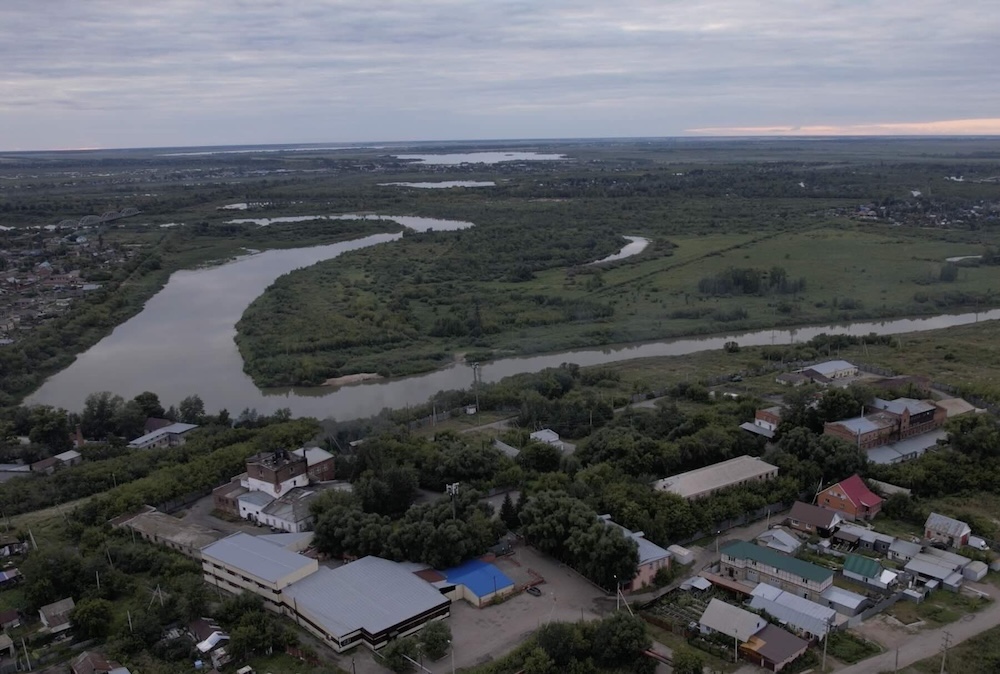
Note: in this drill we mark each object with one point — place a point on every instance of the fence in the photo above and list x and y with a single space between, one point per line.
874 610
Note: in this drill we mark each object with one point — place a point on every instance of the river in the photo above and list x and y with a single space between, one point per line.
181 343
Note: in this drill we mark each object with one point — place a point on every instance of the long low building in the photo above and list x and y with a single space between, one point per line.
370 601
706 481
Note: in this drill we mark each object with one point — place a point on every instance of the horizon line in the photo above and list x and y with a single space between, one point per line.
707 134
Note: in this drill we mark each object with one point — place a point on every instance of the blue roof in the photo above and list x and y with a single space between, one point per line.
480 577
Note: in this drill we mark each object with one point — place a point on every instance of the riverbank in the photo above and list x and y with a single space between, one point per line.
53 346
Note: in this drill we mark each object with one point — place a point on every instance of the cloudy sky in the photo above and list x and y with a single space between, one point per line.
113 73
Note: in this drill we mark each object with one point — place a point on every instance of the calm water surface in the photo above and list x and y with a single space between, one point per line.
182 343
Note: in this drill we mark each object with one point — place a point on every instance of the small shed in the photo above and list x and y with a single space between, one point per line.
975 571
681 555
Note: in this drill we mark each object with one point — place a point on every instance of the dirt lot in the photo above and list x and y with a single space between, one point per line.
484 634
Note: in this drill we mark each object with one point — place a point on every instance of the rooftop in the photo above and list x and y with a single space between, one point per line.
313 455
910 448
859 493
902 405
167 527
258 558
371 593
955 406
275 459
866 567
777 645
947 525
842 597
805 570
291 507
813 515
832 367
153 436
792 609
716 476
258 498
731 620
648 551
868 424
479 576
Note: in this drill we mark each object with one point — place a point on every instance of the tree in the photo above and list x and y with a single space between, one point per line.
687 661
49 427
434 639
99 413
508 513
620 639
130 420
540 456
91 618
397 652
192 409
150 404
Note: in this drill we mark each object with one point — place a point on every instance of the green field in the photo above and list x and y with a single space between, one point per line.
413 306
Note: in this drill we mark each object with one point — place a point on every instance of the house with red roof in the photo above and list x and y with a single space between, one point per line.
851 498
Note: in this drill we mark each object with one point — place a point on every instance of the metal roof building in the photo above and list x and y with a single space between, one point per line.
367 601
242 561
710 479
801 614
730 620
168 435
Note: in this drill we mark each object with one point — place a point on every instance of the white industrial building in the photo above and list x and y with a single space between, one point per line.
710 479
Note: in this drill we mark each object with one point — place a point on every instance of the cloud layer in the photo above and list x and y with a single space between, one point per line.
105 73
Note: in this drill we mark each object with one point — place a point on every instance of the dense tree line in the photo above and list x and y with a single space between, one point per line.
751 281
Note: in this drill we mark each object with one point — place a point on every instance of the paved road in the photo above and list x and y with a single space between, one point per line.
926 644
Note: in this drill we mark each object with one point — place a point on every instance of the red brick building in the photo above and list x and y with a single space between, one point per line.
852 498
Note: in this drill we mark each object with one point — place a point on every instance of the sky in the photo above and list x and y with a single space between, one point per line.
108 73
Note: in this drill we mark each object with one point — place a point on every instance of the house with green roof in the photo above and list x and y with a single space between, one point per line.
869 571
745 561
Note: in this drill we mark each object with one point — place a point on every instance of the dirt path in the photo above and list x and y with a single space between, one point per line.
926 644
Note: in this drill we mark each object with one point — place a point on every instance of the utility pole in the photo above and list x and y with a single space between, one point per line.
944 650
475 383
826 637
27 659
453 493
896 669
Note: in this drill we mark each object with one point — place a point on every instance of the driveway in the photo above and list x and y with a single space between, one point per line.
201 513
926 644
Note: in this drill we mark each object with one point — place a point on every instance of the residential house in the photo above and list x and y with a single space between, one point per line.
804 617
10 619
9 577
734 622
706 481
869 572
168 436
652 557
210 640
780 540
935 571
55 616
745 561
812 519
92 662
851 498
942 529
320 464
773 648
765 422
854 537
8 655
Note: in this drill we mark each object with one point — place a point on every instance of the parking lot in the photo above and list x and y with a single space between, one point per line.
485 634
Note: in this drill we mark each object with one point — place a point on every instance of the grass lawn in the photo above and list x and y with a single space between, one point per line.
850 648
280 663
675 641
940 608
